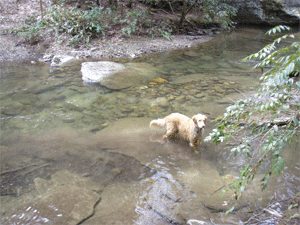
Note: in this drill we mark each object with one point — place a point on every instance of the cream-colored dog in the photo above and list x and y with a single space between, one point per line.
190 129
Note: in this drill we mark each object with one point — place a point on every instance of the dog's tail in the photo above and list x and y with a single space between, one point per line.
158 123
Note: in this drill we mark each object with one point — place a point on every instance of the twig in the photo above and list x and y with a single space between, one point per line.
258 147
240 92
232 100
24 167
155 10
273 212
171 6
17 169
167 219
36 168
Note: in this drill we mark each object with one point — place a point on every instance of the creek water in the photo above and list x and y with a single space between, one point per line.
83 153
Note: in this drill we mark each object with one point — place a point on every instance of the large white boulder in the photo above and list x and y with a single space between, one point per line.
117 76
97 71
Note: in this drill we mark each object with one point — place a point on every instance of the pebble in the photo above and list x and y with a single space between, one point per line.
207 58
160 80
200 95
191 54
161 102
219 89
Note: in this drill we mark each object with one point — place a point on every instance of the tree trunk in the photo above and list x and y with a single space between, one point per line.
41 6
183 13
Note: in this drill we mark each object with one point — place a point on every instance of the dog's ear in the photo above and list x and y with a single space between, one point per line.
205 119
194 118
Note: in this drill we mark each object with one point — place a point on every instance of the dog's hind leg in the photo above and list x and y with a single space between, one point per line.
170 131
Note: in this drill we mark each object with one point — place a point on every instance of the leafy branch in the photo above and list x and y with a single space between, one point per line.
262 125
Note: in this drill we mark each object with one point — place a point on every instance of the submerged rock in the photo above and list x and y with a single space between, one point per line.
65 199
160 102
68 204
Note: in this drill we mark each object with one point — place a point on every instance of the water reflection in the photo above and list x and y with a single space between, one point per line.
61 137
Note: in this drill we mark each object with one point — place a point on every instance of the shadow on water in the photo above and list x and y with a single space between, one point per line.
73 153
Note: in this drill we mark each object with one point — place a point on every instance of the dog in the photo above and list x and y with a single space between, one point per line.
190 129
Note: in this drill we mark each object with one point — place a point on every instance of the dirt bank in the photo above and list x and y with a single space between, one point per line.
12 47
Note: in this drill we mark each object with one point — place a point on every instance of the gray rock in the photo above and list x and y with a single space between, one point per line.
46 58
271 12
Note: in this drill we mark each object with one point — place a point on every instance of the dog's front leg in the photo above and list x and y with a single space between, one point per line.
192 145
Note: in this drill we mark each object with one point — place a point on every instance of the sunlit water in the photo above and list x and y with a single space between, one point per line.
82 153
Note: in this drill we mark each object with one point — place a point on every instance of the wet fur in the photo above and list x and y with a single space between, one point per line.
190 129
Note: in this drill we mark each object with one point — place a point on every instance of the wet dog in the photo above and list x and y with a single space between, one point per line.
190 129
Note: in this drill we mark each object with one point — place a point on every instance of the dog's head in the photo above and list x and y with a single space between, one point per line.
199 120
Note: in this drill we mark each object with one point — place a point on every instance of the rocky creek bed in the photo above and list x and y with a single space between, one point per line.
103 155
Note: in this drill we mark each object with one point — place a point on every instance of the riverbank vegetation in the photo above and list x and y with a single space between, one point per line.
77 22
262 125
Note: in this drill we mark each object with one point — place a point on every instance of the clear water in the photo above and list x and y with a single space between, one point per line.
82 153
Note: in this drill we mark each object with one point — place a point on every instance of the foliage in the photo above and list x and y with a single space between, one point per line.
218 12
80 22
82 25
264 124
138 21
134 22
31 33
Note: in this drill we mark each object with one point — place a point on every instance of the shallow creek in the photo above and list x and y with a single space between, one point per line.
76 153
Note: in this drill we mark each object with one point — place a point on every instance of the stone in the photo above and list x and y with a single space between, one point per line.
207 58
46 58
161 102
268 12
224 65
82 100
14 109
191 54
160 80
200 95
97 71
188 78
181 99
219 89
59 60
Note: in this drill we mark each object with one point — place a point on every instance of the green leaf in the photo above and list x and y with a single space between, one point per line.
285 107
275 127
296 121
230 210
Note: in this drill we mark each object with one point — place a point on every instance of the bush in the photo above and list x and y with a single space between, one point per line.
83 25
217 12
